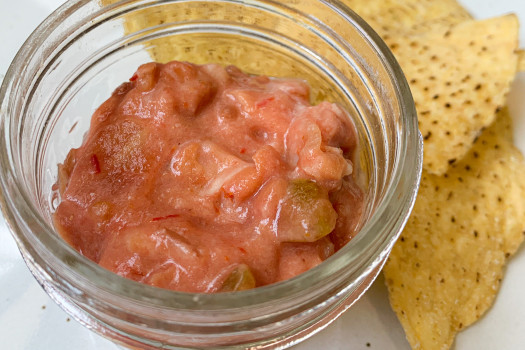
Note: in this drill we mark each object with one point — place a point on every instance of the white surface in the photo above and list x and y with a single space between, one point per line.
29 320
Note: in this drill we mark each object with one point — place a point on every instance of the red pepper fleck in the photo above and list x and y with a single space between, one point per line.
243 150
242 250
264 102
165 217
134 77
95 164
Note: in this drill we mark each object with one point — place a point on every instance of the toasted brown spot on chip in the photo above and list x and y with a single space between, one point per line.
521 62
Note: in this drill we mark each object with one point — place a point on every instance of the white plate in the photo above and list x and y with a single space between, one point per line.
29 320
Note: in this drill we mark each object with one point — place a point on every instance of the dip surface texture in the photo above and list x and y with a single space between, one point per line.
206 179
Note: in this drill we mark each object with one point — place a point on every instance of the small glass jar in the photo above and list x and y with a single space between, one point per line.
84 50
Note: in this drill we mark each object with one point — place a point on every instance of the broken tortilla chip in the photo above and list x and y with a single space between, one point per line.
459 78
446 268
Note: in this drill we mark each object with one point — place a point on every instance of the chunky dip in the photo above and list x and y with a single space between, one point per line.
206 179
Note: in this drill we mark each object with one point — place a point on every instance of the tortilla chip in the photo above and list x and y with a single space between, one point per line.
395 17
446 268
459 77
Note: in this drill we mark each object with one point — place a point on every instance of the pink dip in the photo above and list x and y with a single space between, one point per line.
206 179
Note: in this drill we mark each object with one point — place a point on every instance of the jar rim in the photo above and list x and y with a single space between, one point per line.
390 215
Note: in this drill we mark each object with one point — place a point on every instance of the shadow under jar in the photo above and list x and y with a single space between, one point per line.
72 63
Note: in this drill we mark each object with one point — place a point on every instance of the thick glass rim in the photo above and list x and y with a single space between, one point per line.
390 215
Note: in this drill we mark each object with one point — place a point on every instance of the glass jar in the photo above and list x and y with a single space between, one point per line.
77 56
